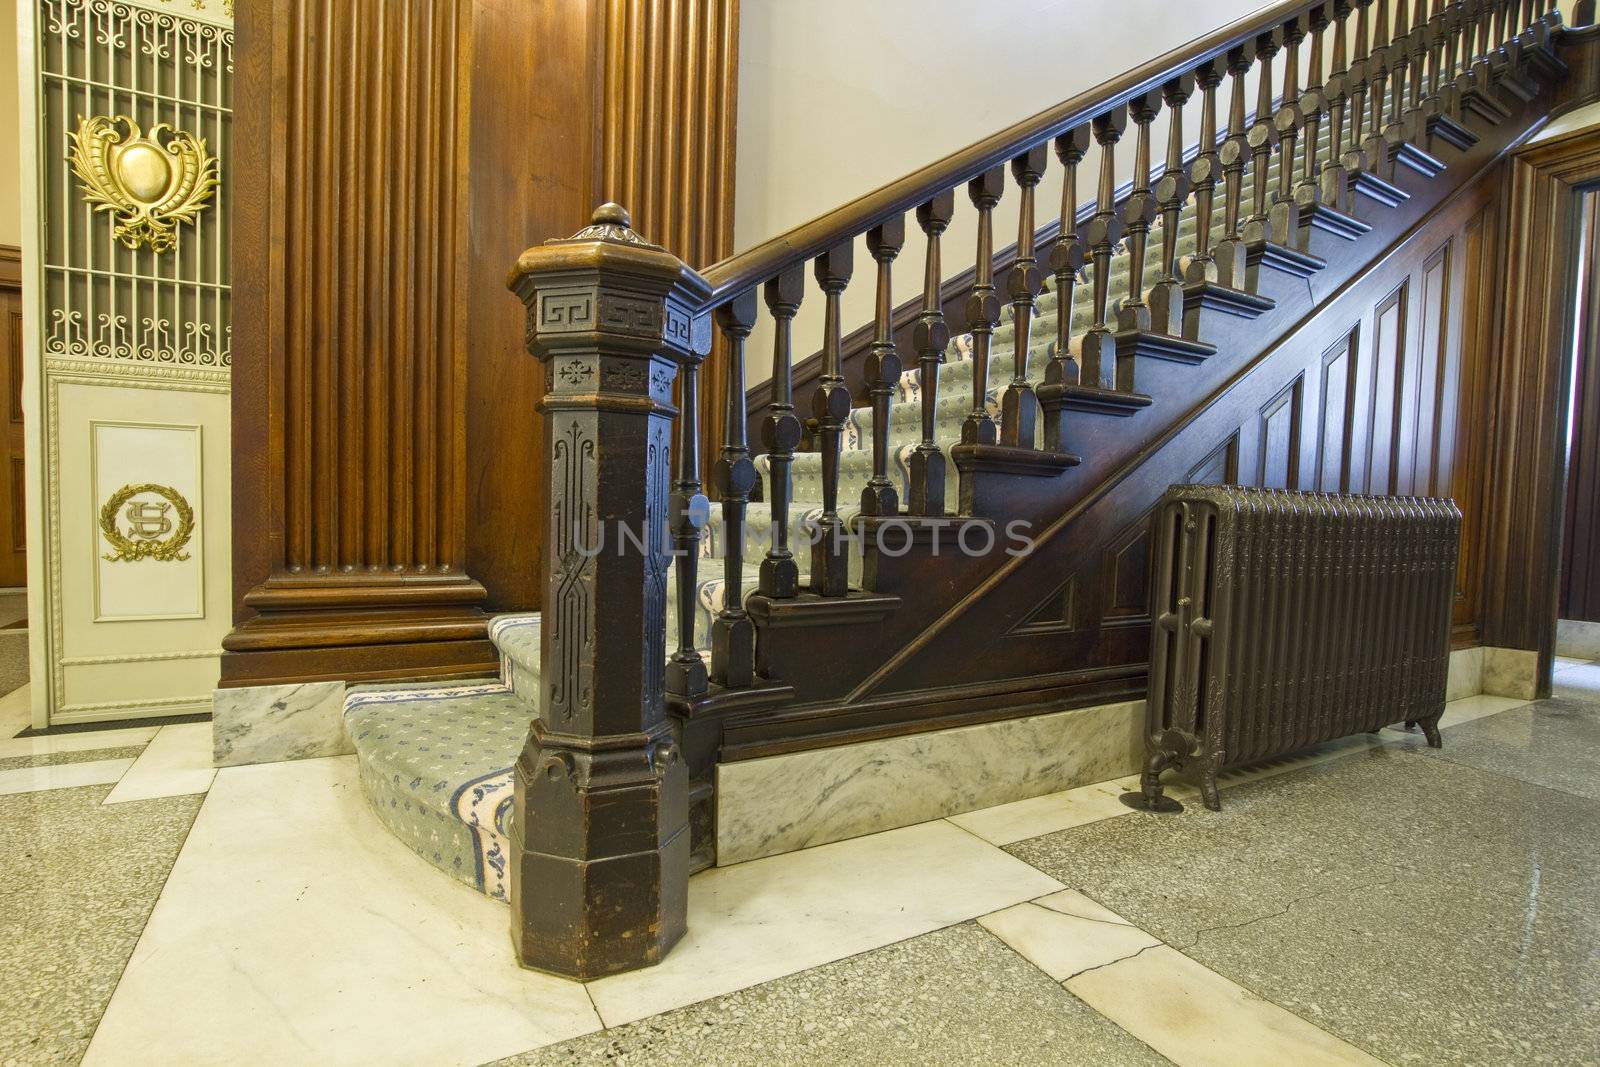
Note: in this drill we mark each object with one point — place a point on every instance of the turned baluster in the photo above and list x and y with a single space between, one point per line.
1402 76
1287 124
688 513
879 496
930 337
1019 409
830 406
983 306
1449 91
1262 138
780 433
1097 348
1204 173
1376 147
1421 51
1231 254
1335 178
1067 258
1434 32
1308 191
1166 298
1138 213
733 635
1355 158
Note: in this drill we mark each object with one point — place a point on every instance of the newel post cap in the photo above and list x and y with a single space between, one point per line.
608 283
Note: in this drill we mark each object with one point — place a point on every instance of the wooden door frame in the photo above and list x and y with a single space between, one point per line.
1583 475
1529 392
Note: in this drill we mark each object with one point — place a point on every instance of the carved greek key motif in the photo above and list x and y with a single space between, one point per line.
565 311
623 314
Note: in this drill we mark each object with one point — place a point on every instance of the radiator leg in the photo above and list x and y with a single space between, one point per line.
1430 730
1150 797
1208 790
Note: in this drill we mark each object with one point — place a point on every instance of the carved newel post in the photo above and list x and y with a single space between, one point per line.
600 844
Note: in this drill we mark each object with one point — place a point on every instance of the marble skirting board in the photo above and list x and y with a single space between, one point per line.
782 803
1578 639
272 723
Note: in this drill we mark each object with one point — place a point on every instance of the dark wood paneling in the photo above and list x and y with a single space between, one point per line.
1532 330
13 483
1333 437
1580 556
671 83
533 166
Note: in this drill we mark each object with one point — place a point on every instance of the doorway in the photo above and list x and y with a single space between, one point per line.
1580 551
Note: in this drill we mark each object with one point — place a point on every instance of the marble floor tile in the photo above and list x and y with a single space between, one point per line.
1459 711
956 997
62 775
85 741
1198 1018
295 929
1553 743
55 759
175 763
1341 891
1067 933
1563 662
16 712
1021 819
760 920
77 883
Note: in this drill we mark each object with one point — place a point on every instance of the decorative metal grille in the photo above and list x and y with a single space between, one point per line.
103 301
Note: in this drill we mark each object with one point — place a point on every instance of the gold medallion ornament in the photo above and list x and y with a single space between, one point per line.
148 182
147 521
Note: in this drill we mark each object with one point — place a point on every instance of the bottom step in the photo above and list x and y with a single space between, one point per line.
436 765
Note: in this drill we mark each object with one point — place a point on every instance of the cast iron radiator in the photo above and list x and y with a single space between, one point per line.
1282 620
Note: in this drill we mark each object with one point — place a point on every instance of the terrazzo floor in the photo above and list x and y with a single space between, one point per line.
1369 902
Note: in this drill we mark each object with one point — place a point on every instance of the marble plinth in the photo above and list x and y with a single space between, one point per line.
782 803
1511 672
1466 674
1577 639
272 723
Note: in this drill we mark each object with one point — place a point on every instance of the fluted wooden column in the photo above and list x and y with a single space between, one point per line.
400 153
351 519
671 85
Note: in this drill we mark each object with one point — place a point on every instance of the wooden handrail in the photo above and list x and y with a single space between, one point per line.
744 270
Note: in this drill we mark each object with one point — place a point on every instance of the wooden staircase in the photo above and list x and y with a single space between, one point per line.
852 579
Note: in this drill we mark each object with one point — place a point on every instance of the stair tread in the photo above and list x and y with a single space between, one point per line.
443 789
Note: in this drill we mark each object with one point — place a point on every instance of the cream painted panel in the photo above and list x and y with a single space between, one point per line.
137 638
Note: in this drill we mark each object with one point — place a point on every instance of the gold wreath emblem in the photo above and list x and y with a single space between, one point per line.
149 182
152 532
